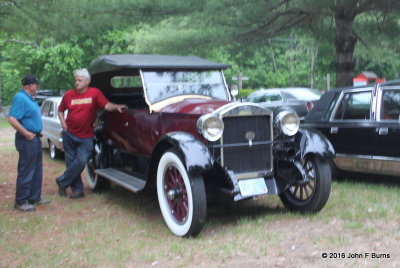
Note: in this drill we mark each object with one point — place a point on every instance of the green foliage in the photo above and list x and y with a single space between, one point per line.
269 42
52 62
244 93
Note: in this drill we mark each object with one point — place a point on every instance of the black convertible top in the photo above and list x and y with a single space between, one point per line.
119 61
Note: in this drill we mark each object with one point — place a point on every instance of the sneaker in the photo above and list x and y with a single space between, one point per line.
76 195
41 201
61 191
26 207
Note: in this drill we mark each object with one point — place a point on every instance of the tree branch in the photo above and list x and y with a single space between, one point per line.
30 43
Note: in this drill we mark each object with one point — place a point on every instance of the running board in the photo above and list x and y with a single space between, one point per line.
123 179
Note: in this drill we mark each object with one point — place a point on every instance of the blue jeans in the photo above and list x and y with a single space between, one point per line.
30 169
76 152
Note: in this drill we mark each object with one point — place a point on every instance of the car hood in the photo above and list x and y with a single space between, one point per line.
194 106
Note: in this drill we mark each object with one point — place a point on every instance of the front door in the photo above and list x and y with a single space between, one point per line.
352 130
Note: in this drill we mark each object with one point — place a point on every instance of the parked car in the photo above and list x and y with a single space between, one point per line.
52 129
363 125
185 137
302 100
42 94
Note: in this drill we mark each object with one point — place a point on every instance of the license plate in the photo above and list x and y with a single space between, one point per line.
252 187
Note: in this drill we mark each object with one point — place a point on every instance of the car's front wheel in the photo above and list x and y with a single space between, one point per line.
53 151
312 192
182 197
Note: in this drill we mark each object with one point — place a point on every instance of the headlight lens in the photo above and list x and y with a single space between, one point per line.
210 126
288 122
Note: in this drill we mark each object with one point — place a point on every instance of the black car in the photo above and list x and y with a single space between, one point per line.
300 99
185 137
363 126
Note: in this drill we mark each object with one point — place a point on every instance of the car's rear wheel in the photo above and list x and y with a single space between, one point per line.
97 160
53 151
182 197
312 192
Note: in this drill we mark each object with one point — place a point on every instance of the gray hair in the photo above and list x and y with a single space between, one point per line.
82 72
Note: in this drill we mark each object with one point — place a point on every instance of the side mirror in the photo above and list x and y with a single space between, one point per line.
234 89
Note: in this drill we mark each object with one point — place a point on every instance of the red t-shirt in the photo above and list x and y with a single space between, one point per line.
82 110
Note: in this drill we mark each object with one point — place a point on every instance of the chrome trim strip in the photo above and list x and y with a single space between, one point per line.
372 164
233 105
145 91
226 85
377 157
354 156
241 144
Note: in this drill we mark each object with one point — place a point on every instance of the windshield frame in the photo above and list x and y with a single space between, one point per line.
152 101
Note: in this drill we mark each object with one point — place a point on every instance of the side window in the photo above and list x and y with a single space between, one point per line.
356 105
390 105
257 98
51 110
46 108
274 97
328 113
126 82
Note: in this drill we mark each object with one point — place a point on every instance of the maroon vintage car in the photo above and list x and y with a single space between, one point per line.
185 136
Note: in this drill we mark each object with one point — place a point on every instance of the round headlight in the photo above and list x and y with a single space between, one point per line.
288 122
210 126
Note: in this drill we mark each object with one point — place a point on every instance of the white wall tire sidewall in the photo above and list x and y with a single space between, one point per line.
91 179
166 160
52 149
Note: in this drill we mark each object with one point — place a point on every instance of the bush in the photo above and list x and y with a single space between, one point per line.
244 93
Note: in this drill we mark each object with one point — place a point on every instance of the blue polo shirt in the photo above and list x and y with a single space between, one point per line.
26 110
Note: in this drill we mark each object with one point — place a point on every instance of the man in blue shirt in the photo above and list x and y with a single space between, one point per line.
25 117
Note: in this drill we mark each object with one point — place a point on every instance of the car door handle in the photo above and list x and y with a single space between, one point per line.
334 130
383 131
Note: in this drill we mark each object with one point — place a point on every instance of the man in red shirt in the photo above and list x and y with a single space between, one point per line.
82 103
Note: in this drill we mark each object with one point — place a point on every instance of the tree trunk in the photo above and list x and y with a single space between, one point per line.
273 55
345 42
314 55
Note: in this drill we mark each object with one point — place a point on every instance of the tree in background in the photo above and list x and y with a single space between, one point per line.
274 42
230 21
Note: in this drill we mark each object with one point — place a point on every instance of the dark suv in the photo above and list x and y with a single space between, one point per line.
185 136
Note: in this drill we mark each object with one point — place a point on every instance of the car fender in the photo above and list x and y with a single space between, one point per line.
308 141
288 160
196 156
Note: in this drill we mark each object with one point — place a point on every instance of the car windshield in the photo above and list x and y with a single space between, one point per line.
164 85
305 94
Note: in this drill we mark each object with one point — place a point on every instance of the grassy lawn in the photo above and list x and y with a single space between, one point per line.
117 228
4 123
121 229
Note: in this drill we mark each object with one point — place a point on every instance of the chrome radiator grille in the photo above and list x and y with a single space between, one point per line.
246 159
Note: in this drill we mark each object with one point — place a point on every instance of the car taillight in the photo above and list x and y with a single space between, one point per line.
310 105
